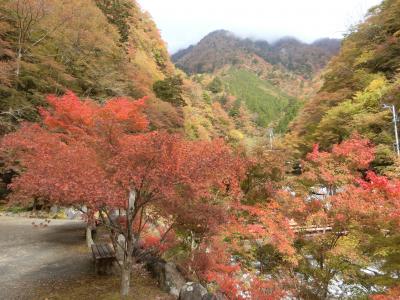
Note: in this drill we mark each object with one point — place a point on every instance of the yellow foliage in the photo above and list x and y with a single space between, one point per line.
364 57
236 135
145 63
348 246
377 84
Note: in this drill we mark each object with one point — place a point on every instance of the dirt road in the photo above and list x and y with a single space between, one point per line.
31 256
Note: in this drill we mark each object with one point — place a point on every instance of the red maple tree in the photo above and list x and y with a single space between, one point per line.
338 167
103 157
360 206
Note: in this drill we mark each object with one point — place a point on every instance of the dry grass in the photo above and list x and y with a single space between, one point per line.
143 287
103 288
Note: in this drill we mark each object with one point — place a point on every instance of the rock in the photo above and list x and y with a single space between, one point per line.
174 280
54 209
217 296
167 275
256 264
73 214
192 291
261 242
156 267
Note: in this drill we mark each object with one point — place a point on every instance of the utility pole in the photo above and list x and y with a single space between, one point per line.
271 136
395 120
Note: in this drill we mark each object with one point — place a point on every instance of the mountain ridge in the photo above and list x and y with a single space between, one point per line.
272 79
257 39
312 57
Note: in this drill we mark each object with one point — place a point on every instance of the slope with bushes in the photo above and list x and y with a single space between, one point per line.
260 96
98 49
231 217
363 77
222 47
268 78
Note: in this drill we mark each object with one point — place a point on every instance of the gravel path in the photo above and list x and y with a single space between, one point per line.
31 256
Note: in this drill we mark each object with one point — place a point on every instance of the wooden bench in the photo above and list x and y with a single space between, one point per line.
104 256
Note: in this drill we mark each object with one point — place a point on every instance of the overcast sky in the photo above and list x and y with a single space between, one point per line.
185 22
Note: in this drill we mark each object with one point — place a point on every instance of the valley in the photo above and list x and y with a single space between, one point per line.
250 166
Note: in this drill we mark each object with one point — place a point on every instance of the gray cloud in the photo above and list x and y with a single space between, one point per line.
184 22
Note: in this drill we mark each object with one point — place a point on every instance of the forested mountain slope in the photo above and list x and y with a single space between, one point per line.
269 79
98 49
358 81
222 47
200 185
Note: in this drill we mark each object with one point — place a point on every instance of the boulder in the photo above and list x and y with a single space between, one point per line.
54 209
167 275
192 291
73 214
155 266
217 296
174 280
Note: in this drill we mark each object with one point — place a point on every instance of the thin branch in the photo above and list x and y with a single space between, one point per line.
166 232
144 224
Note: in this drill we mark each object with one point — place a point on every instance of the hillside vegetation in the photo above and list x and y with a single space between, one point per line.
358 81
222 47
261 97
272 80
101 50
181 170
97 49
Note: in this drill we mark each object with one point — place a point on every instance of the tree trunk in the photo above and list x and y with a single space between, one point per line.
34 206
120 249
128 259
127 266
89 238
126 276
18 62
